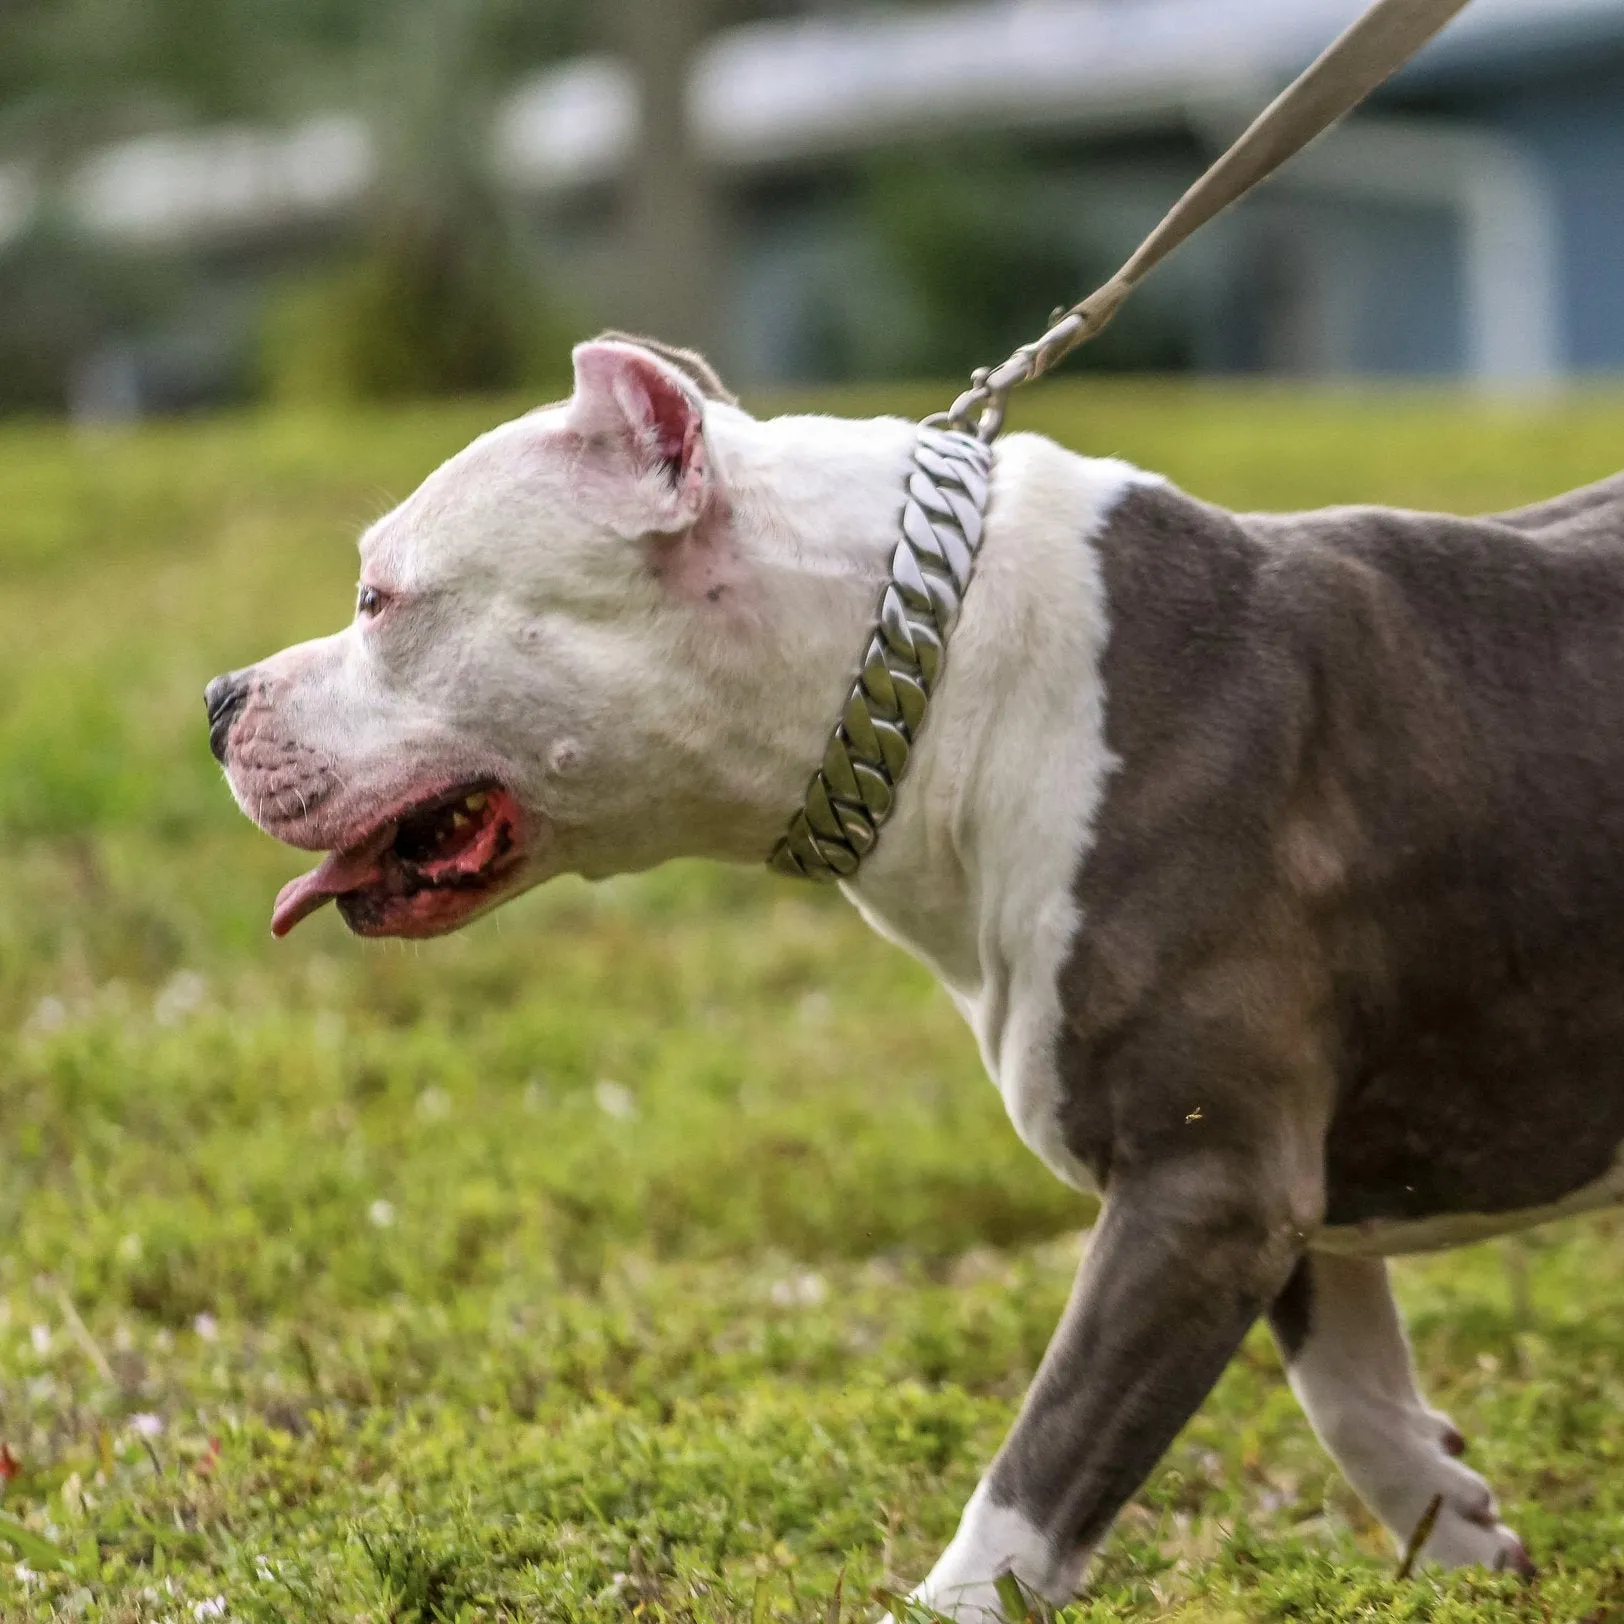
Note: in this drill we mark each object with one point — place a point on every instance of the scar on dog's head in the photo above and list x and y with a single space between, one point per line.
688 362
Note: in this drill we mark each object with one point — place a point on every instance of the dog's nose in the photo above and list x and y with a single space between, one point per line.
224 697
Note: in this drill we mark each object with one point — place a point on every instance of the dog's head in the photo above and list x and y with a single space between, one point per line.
547 636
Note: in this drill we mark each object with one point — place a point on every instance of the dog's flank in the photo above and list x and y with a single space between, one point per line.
1276 861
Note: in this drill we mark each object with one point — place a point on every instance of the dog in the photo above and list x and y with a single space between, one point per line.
1276 861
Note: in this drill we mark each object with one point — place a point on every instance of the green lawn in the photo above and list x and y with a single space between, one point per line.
653 1246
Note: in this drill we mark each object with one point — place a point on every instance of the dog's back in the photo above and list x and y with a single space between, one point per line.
1598 507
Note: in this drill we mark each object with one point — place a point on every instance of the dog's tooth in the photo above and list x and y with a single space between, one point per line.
476 802
458 821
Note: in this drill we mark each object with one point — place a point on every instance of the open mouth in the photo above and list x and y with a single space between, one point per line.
422 872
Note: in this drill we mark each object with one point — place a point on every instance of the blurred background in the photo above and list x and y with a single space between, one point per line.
217 201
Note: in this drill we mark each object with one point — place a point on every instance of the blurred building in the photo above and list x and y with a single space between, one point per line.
1468 223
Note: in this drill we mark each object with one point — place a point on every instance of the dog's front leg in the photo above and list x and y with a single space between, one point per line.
1182 1261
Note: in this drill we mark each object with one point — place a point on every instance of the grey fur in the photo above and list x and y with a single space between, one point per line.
1352 944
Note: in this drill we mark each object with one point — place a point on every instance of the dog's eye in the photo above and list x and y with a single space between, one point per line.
369 602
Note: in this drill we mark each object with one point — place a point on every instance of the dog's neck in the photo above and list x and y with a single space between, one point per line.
1000 792
980 858
812 507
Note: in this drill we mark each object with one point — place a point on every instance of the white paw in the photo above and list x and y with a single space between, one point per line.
1476 1538
1468 1532
964 1604
993 1541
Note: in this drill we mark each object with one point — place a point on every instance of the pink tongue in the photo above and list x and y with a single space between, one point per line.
340 872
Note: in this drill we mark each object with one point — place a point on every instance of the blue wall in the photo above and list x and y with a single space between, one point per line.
1575 126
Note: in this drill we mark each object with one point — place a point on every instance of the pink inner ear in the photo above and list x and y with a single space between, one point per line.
627 394
618 386
671 415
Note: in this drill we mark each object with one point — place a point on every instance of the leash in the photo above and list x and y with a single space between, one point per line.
1375 47
853 792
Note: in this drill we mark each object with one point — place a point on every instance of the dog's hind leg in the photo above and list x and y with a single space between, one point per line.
1349 1364
1183 1260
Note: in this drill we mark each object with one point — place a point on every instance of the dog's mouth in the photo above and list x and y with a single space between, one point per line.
422 872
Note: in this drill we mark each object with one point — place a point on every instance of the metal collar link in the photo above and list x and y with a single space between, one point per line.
852 793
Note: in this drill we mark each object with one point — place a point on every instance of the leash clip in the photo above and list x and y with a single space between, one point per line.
980 410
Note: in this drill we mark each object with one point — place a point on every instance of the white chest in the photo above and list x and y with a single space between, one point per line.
976 872
1016 1017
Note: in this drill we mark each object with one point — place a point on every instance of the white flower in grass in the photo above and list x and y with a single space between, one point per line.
381 1214
40 1336
214 1607
180 996
48 1015
433 1104
147 1425
615 1099
799 1291
813 1009
207 1327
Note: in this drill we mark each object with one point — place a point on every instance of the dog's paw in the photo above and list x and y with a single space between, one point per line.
1469 1533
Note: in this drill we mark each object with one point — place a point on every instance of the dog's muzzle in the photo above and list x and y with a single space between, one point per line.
224 697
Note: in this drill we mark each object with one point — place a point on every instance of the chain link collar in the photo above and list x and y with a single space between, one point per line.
852 793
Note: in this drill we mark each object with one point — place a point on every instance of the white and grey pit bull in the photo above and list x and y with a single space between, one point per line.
1277 862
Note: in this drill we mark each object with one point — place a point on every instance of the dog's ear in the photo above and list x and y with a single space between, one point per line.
690 362
652 418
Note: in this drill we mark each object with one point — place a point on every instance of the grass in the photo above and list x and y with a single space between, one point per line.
654 1249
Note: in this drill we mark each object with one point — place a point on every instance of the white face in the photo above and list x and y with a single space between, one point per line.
541 632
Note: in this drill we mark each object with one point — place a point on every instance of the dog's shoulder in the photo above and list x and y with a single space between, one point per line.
1243 582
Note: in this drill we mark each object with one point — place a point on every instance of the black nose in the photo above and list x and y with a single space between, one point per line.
224 697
